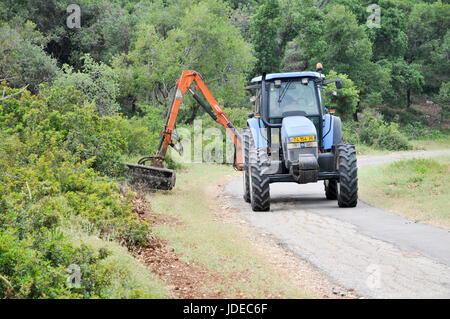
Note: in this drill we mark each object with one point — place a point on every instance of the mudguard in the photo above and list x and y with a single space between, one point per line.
259 132
332 131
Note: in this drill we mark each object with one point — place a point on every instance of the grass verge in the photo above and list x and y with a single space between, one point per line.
123 277
219 247
431 145
417 145
415 188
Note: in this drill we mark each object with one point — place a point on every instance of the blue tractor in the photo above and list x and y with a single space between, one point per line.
292 136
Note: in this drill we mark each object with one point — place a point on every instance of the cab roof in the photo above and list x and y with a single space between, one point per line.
272 76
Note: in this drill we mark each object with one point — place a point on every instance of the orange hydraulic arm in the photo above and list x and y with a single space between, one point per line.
183 85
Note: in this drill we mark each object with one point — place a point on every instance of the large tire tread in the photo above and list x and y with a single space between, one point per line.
260 182
331 189
348 181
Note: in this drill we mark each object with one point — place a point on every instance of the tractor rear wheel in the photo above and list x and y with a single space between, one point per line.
259 180
247 139
347 187
330 189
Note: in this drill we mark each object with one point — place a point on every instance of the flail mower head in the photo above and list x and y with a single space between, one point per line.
152 177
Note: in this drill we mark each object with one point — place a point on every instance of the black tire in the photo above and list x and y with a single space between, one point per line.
259 181
330 189
347 187
247 142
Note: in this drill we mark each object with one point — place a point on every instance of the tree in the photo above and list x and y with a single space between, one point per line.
105 30
443 99
347 98
348 50
294 58
427 28
264 37
22 59
307 26
164 15
405 79
205 41
96 80
390 40
241 18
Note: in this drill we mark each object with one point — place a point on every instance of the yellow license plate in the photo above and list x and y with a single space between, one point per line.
303 139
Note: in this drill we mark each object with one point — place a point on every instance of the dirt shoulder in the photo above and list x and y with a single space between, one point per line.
182 279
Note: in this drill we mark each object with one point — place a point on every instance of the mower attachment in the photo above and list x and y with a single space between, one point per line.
152 177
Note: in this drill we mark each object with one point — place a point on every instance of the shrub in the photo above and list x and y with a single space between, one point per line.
443 98
375 132
417 130
22 58
350 133
98 82
61 113
53 148
37 193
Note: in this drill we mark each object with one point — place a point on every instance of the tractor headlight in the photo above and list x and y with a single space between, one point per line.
301 145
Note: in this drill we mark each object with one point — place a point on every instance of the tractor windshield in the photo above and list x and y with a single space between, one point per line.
292 95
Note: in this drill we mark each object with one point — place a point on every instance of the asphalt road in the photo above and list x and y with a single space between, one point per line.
377 253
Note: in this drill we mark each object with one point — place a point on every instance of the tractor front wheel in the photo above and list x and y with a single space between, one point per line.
347 187
330 189
259 181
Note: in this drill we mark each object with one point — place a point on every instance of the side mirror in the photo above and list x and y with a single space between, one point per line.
337 81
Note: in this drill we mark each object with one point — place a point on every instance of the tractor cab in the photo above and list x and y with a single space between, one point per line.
295 94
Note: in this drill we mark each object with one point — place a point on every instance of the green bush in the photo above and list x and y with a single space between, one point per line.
417 130
350 133
375 132
402 116
53 148
37 194
443 99
61 113
98 82
23 60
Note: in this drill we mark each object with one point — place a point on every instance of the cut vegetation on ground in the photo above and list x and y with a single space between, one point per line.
415 188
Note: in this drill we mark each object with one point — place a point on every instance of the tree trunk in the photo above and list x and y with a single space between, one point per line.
355 114
408 98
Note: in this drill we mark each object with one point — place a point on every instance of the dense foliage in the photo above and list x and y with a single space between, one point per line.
51 149
142 45
75 103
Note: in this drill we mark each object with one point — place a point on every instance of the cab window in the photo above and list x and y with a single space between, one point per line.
292 95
